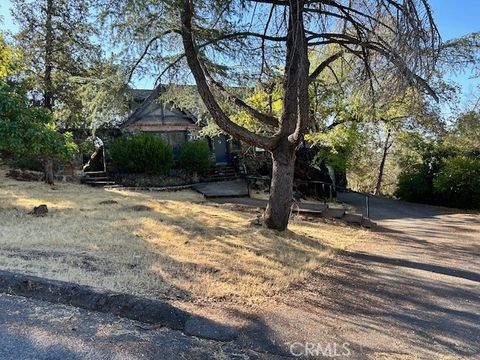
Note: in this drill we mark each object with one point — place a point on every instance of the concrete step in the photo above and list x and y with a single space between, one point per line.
100 183
97 178
221 179
353 219
116 186
316 210
218 189
334 213
222 175
95 173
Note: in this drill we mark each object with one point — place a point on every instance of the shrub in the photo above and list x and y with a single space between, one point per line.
458 182
416 185
29 163
195 156
142 153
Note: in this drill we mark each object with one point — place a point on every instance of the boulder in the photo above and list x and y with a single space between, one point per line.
40 210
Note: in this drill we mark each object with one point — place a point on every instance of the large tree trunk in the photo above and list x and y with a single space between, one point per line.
293 122
386 147
48 171
281 189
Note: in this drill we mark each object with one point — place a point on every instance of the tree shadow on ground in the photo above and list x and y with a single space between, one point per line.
401 302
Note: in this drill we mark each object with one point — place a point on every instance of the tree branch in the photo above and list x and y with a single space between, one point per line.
324 64
145 51
264 118
218 115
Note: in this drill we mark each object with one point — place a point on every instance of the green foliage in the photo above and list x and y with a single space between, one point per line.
29 163
86 147
416 185
29 131
458 182
195 156
142 153
267 101
59 42
465 135
101 94
10 59
447 174
337 145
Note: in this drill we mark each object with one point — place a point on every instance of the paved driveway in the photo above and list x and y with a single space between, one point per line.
413 291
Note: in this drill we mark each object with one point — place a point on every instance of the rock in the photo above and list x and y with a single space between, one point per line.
332 213
353 219
257 222
40 210
108 202
139 208
368 224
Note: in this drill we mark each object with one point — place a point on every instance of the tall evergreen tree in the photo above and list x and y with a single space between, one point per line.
58 40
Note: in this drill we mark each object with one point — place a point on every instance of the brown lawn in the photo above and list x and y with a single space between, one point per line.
171 245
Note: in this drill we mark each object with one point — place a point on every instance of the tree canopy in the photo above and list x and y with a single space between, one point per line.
229 44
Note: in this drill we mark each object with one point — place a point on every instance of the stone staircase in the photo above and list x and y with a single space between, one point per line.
98 179
222 173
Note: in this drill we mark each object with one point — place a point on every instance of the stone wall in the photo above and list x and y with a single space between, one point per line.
174 178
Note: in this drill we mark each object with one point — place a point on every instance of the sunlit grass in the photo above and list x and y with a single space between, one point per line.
178 247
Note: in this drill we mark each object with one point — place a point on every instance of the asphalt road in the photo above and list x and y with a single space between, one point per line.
36 330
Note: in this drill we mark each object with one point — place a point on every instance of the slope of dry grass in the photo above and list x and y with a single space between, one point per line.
162 245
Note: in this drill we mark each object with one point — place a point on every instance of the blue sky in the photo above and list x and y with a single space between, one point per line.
454 18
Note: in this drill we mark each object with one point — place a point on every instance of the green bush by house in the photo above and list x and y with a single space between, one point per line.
195 156
142 153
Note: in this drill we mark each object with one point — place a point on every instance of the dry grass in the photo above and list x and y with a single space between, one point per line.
169 245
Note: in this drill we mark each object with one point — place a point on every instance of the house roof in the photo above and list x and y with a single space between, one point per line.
147 97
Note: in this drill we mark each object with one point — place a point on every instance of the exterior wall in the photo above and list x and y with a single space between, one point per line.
176 127
173 125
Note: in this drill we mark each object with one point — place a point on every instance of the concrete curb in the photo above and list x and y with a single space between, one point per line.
149 311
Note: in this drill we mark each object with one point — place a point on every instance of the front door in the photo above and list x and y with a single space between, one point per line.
220 148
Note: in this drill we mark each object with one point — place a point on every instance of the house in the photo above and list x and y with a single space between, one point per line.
173 125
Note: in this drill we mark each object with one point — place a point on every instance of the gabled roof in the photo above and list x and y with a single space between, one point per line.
147 97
